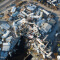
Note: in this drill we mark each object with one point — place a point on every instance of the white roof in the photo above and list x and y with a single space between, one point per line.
31 7
22 21
6 34
41 14
6 47
46 27
35 29
58 57
54 1
21 14
40 22
30 36
36 16
9 38
39 41
24 13
33 16
43 54
6 44
13 9
4 26
14 23
46 12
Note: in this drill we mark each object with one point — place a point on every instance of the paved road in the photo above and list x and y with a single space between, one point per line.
2 3
5 4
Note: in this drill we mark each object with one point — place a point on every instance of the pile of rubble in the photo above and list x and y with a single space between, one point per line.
30 21
35 25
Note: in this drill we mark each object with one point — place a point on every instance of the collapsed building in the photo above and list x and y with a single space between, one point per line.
31 23
33 27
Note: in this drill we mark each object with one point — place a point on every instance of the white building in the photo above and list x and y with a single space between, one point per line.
19 22
31 7
46 27
9 39
30 36
46 12
40 22
6 34
24 13
6 47
4 26
22 21
13 9
21 14
52 2
58 57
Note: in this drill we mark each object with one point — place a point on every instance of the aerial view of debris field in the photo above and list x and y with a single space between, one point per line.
30 30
